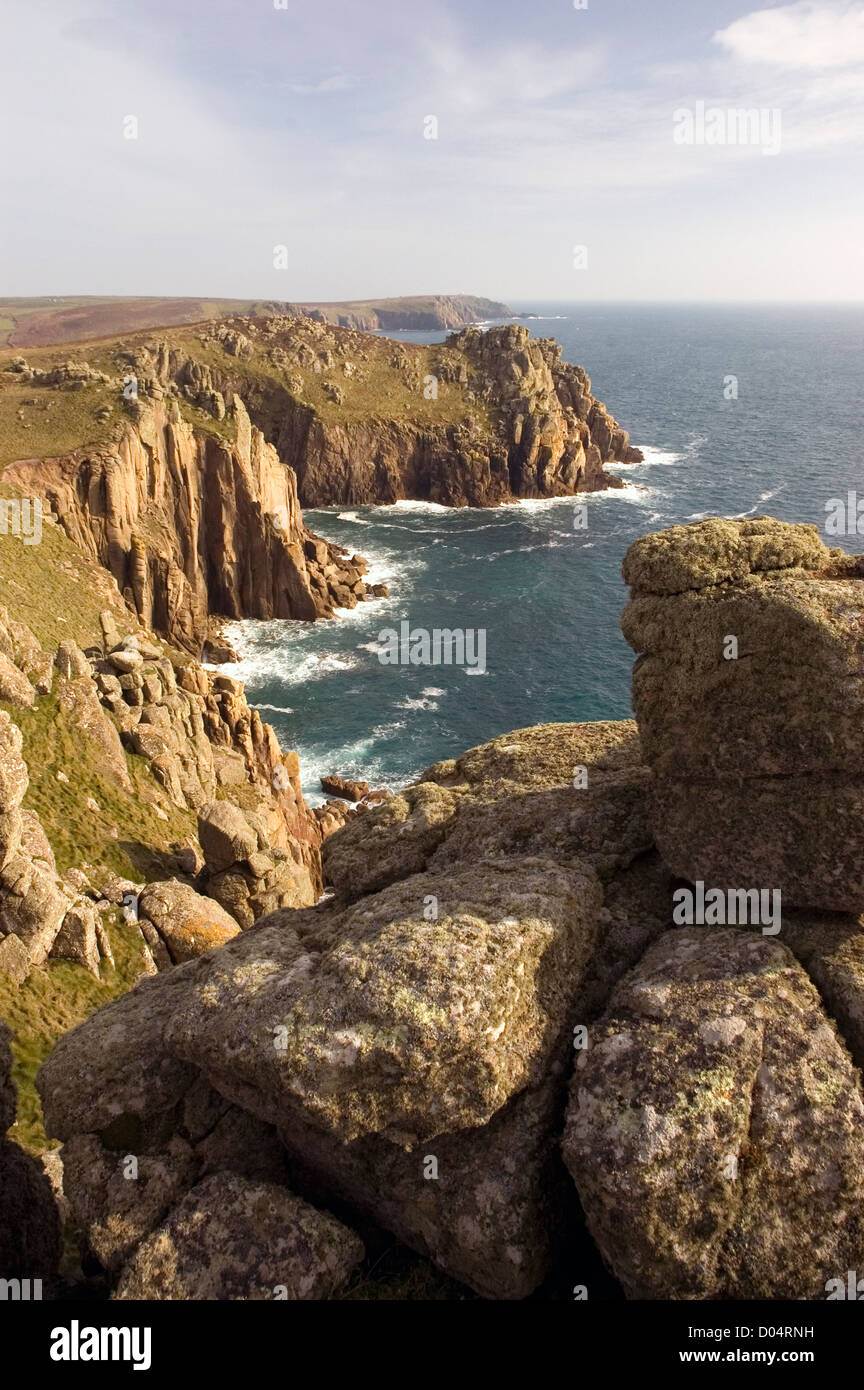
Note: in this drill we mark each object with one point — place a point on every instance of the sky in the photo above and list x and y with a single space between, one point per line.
520 149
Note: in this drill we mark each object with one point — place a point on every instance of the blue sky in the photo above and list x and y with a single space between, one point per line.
303 126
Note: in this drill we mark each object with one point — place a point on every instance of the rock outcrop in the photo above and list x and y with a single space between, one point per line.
205 749
403 1051
530 428
408 1040
230 1238
749 692
714 1099
192 524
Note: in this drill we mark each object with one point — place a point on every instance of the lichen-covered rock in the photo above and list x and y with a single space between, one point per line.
706 553
114 1067
225 834
32 905
234 1239
749 694
831 949
118 1198
15 688
188 923
76 939
15 962
716 1126
487 1205
419 1011
559 790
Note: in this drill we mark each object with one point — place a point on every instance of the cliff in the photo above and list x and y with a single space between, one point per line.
478 420
423 312
693 1084
190 524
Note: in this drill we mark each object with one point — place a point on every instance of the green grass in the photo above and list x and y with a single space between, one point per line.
392 386
55 588
51 1002
77 833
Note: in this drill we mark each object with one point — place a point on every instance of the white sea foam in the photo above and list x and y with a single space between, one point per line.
276 709
284 664
653 457
757 507
408 504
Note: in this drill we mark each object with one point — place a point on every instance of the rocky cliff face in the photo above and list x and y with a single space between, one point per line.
190 524
531 428
484 418
191 495
206 751
435 311
495 1009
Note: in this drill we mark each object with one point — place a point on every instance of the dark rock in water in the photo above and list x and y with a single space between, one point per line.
344 787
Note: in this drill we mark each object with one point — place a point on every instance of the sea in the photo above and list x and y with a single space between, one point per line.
741 411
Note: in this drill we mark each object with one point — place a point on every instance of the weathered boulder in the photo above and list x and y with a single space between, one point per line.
76 939
749 694
79 703
831 949
32 905
114 1069
558 790
117 1198
15 688
15 962
234 1239
13 787
188 923
487 1205
226 836
419 1011
716 1126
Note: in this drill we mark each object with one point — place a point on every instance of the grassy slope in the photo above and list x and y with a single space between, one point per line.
59 593
39 421
51 1002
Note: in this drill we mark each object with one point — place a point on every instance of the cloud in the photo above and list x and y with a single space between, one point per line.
805 35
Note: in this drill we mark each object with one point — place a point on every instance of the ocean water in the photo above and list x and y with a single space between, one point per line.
549 596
